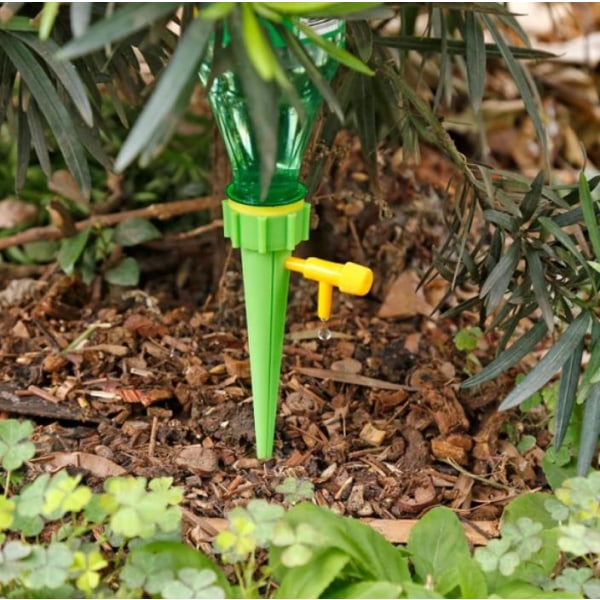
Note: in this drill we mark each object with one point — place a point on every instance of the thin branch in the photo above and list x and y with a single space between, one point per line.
162 211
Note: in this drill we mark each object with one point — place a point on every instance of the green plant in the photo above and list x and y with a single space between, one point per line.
466 340
125 541
544 244
134 517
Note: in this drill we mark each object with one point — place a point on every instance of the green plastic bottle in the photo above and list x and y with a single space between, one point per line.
230 109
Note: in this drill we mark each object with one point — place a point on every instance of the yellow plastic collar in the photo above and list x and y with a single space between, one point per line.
265 211
350 278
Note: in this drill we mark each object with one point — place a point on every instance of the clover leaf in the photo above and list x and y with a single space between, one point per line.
12 562
147 570
192 583
87 567
138 512
64 494
15 447
237 541
48 567
295 490
7 509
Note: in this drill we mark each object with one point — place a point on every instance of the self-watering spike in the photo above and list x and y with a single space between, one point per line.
268 230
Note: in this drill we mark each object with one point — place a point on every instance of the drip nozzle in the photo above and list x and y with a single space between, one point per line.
350 278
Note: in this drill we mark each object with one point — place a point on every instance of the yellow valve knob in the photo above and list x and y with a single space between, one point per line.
350 278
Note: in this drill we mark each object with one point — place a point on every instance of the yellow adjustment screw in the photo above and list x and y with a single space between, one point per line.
349 278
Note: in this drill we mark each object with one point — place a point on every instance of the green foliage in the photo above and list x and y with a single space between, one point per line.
107 546
545 268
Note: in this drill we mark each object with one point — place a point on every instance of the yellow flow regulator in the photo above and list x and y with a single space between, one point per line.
350 278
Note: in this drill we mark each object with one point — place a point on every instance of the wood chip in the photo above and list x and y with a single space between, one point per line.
199 460
371 435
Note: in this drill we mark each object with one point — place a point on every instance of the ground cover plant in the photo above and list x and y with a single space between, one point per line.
134 362
125 541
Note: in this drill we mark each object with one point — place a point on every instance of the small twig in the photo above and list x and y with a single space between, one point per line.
152 443
160 211
494 484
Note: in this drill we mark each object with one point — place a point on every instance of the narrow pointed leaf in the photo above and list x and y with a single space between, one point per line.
174 83
540 289
65 72
49 14
52 108
509 358
262 98
518 74
434 44
71 249
496 285
589 214
38 138
313 72
362 34
567 393
258 47
122 23
342 56
552 361
80 15
550 226
23 147
475 54
589 431
533 196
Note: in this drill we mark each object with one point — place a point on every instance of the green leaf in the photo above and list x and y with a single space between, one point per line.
174 84
49 14
51 107
476 59
589 214
436 542
122 23
135 231
38 137
532 198
313 72
589 431
552 361
467 338
15 447
550 226
367 589
181 556
127 272
312 579
509 358
529 505
192 583
71 249
80 16
49 567
339 54
12 562
263 100
538 282
496 284
319 9
567 393
372 555
65 72
518 74
65 495
258 47
7 512
31 499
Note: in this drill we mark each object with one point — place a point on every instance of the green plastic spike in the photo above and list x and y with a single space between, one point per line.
266 237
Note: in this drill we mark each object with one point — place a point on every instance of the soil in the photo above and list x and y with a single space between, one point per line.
155 381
